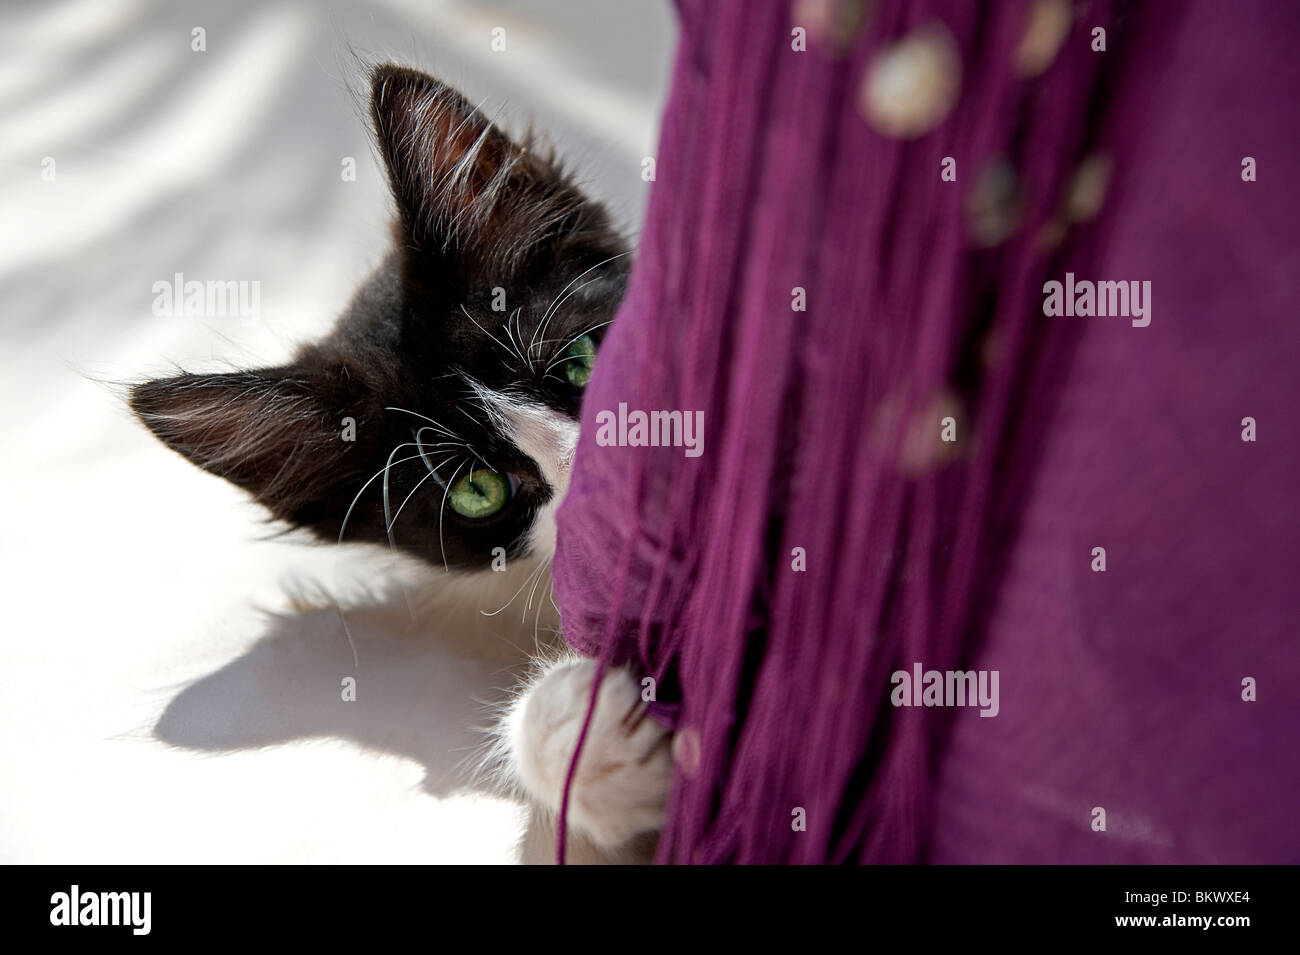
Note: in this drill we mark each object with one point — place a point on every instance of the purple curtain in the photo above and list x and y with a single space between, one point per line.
842 268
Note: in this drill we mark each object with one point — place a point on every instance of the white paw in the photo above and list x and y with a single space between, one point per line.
623 775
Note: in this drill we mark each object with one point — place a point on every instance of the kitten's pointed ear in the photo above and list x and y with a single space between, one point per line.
463 187
277 433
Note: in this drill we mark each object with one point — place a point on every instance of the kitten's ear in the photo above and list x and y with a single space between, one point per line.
278 433
463 188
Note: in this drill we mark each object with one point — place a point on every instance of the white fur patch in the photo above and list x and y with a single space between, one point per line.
622 778
621 784
550 439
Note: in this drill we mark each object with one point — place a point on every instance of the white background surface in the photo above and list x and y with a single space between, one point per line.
161 700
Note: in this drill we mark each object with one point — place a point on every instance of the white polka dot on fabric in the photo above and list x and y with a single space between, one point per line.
815 16
1045 31
835 21
919 441
1088 188
913 84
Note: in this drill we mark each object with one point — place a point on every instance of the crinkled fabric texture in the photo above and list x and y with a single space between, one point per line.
826 537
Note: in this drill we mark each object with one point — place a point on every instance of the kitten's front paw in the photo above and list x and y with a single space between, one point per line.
622 779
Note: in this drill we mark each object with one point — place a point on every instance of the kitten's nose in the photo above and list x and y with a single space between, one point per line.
566 463
566 449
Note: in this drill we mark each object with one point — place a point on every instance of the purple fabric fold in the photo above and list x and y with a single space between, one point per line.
1120 690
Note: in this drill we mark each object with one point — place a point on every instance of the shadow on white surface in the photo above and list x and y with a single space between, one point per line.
413 698
151 713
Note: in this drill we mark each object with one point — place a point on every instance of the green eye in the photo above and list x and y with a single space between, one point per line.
578 360
481 493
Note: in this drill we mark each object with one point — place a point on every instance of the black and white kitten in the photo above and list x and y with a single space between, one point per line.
462 361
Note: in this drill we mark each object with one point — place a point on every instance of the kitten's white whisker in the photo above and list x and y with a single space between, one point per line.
493 613
546 316
510 333
560 351
431 474
436 424
537 616
524 615
344 526
437 433
347 631
561 302
535 577
487 333
528 356
389 522
428 458
442 510
433 467
551 595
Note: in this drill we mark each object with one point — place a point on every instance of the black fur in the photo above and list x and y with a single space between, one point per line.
476 211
